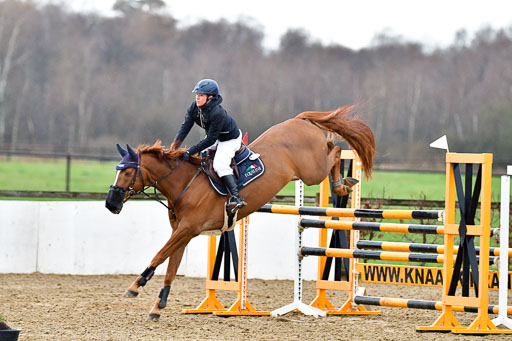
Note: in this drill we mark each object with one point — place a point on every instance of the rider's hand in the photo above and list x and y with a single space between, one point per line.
176 144
185 156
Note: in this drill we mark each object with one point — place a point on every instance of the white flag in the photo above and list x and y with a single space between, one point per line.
441 143
509 170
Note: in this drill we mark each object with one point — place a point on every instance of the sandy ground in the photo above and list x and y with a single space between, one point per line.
64 307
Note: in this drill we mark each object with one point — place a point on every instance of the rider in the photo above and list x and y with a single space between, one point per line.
221 130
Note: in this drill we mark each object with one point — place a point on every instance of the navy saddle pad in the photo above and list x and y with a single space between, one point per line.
250 167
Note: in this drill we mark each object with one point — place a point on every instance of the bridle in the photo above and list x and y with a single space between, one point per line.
172 169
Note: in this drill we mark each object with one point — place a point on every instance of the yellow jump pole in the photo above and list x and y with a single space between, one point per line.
349 307
420 304
321 301
242 306
416 247
352 284
379 255
351 213
372 226
210 302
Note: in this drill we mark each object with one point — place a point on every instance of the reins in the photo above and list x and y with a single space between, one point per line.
155 196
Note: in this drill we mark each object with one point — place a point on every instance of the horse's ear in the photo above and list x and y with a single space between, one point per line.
121 150
132 153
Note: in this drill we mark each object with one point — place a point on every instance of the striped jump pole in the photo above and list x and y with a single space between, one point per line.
380 255
415 247
371 226
352 213
419 304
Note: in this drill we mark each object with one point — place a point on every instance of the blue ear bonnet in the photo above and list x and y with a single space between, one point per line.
126 162
129 160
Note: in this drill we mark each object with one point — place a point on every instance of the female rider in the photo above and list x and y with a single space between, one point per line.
221 130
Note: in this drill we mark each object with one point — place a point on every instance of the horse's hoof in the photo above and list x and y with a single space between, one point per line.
130 293
342 190
350 181
154 317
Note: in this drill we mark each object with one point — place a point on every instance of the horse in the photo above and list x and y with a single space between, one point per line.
299 148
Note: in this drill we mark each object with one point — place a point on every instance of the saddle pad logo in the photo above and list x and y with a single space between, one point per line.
252 169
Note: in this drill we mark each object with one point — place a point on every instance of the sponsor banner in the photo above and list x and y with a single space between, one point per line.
414 275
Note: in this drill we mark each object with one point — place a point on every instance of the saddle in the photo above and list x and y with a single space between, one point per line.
207 163
246 164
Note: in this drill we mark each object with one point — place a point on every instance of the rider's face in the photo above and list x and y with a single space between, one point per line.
201 99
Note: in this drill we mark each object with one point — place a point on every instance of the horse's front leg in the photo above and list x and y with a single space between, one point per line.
173 250
133 289
170 275
142 279
340 186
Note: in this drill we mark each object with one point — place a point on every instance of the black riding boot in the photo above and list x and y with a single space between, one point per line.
235 200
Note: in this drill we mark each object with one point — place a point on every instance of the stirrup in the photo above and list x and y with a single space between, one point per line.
235 206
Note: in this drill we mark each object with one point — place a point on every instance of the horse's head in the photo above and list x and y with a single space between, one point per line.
128 179
135 168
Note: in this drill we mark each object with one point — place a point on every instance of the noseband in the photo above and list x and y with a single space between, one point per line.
132 192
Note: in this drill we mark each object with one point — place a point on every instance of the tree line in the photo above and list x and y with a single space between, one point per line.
81 81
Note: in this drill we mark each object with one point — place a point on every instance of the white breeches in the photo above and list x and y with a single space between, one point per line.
225 152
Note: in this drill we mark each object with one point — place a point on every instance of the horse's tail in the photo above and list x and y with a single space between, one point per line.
356 132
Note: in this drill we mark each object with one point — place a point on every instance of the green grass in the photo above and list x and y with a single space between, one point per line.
38 175
96 176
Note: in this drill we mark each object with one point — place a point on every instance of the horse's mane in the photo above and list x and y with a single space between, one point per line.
160 151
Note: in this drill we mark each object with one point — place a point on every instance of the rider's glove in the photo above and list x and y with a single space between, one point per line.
186 156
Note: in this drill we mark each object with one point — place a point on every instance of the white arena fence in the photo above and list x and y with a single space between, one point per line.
84 238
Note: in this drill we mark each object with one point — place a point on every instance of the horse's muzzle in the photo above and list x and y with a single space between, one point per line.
115 198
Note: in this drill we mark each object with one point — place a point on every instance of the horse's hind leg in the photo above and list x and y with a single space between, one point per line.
170 275
333 159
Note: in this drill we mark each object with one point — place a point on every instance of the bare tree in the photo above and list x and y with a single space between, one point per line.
19 108
88 81
414 107
5 68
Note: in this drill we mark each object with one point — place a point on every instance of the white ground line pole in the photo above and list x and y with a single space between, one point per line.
297 303
502 318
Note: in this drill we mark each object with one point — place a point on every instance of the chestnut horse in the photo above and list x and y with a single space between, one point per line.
295 149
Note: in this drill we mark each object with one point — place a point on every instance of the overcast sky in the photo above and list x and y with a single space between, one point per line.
349 23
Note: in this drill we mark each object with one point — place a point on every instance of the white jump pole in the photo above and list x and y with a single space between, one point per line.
502 318
297 303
